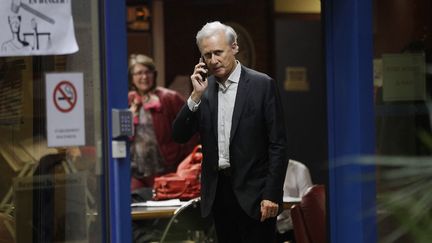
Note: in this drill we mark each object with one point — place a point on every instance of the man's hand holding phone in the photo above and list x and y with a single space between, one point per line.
199 80
204 73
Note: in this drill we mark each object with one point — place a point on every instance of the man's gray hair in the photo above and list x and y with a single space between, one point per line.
213 28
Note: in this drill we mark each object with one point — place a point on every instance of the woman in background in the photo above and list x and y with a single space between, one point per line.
153 152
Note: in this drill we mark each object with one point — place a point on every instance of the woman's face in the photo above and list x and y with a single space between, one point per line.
142 78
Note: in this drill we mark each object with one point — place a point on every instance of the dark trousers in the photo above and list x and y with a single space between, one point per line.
232 224
284 237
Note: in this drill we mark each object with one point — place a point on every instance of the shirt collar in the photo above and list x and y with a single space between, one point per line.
235 75
233 78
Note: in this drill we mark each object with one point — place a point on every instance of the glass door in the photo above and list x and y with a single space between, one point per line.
402 84
51 190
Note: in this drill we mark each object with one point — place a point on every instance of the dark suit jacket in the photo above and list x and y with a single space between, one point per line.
257 143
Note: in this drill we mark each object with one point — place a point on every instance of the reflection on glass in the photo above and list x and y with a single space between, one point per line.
51 194
402 88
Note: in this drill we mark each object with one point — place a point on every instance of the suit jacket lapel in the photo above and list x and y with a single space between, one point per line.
242 92
213 103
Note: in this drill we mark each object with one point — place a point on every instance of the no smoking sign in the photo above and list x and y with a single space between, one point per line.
65 96
65 109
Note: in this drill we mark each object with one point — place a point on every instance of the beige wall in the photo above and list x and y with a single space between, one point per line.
298 6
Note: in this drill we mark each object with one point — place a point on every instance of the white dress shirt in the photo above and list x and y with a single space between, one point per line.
226 99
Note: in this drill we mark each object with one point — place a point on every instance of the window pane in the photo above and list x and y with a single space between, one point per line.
51 194
402 85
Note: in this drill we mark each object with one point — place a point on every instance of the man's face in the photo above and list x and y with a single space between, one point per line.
219 55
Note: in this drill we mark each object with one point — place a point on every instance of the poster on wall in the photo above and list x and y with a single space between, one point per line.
36 27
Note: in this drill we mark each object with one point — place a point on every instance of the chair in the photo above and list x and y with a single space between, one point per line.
309 217
187 225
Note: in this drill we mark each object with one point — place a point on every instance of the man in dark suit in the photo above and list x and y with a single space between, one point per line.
238 114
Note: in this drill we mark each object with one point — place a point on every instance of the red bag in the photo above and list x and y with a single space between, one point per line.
185 183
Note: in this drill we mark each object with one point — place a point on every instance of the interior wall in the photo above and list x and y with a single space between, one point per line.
184 18
298 43
402 22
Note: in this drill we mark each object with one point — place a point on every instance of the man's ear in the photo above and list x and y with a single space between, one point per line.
235 47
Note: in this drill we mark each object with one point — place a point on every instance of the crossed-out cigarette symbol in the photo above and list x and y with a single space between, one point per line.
17 4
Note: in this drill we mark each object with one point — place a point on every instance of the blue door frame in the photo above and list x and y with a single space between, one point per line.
349 54
116 89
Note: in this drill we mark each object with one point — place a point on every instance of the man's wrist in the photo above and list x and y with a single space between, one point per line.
193 106
196 97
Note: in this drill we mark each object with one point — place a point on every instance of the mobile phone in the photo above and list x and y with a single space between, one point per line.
204 75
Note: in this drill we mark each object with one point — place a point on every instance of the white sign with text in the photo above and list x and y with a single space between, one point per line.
404 77
65 109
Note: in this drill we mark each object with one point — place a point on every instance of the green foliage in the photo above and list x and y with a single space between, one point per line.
404 194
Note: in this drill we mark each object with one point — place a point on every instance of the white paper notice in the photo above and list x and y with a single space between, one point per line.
65 109
404 77
36 27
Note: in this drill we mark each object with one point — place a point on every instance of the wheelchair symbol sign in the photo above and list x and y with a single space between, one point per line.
65 96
